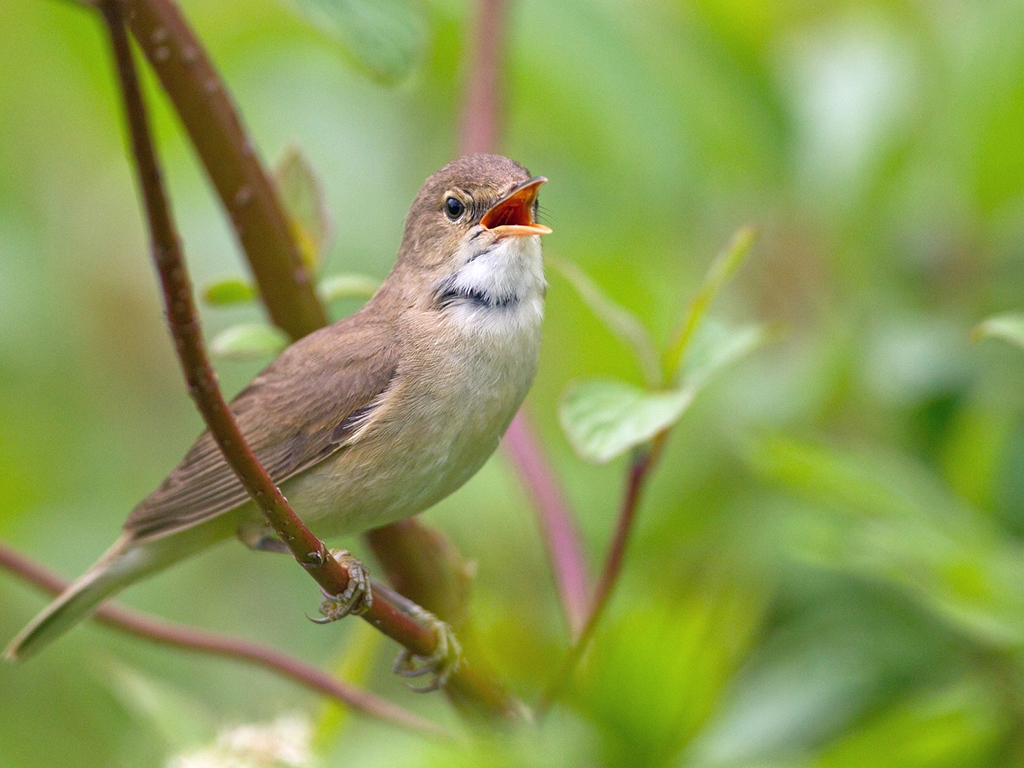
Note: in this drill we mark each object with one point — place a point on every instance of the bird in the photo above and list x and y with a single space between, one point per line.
375 417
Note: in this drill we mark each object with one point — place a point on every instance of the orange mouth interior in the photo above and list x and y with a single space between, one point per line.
516 210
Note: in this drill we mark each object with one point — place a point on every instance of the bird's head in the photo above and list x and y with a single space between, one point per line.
472 230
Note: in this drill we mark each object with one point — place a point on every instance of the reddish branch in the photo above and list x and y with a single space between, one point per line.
386 614
481 117
639 471
190 639
558 526
183 322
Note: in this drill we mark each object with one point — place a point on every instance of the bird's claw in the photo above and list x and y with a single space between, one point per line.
446 658
357 597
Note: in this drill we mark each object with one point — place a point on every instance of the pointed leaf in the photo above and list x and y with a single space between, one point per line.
303 197
721 269
346 287
717 346
605 418
619 320
383 38
1008 327
248 341
231 290
701 635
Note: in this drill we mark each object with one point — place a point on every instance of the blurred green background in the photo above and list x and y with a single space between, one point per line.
828 567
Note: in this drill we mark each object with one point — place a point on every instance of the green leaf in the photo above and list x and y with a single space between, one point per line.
1008 327
679 656
248 341
346 287
721 269
604 418
619 320
383 38
716 347
303 197
231 290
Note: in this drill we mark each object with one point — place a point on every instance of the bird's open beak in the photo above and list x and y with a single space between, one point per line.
513 214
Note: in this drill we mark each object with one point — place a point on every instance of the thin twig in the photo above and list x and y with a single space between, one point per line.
639 471
199 641
388 615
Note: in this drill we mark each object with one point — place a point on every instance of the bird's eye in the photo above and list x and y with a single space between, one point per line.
454 208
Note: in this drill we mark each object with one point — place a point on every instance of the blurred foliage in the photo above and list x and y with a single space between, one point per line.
383 38
604 419
828 568
1008 326
302 195
247 341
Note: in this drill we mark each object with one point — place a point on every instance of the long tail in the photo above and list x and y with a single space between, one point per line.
122 564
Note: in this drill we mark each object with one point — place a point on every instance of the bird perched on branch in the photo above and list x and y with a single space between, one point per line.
376 417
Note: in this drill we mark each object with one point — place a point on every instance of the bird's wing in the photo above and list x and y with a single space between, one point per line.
301 409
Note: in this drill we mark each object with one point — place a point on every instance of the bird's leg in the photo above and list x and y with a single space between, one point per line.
442 663
446 658
357 597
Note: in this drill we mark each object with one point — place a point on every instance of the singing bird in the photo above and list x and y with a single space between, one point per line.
376 417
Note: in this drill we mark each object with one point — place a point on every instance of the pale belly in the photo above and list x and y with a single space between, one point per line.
451 417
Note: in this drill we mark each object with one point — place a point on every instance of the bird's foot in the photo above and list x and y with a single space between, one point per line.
445 659
357 597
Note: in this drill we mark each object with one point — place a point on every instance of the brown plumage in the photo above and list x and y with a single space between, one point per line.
306 430
377 416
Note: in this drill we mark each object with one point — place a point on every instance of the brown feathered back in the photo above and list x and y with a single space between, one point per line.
288 430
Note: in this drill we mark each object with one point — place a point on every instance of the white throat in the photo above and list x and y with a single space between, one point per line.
510 271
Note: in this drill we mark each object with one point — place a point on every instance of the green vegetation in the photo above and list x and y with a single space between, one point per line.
827 567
